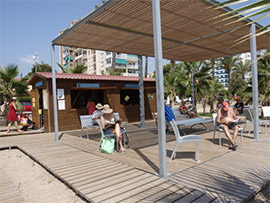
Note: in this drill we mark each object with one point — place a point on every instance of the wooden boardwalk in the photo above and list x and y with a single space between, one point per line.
226 177
8 192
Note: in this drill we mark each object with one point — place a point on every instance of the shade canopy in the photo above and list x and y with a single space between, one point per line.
192 30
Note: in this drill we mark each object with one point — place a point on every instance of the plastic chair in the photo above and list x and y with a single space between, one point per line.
86 122
266 114
182 139
217 128
249 118
170 117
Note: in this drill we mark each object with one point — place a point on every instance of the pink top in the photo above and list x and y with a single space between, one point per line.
91 107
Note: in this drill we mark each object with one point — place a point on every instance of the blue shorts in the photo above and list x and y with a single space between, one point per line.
108 131
231 126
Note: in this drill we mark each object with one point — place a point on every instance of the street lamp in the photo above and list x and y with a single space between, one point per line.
35 61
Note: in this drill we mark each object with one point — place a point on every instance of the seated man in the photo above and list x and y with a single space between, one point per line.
238 106
97 113
226 119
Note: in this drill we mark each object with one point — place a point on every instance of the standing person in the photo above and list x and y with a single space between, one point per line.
12 117
97 113
227 119
90 106
111 125
238 106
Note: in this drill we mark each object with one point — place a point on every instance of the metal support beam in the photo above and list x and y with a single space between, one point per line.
55 112
159 88
253 53
192 88
142 111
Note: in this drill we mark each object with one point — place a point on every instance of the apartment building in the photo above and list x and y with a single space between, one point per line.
97 61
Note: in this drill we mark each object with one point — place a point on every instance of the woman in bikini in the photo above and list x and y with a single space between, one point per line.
111 125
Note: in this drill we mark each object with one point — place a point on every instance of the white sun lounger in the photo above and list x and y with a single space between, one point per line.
194 121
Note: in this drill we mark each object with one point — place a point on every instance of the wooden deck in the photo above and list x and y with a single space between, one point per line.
8 192
223 175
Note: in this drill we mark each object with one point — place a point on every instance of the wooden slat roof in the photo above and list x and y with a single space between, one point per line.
191 29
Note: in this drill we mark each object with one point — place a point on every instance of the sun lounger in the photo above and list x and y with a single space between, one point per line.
194 121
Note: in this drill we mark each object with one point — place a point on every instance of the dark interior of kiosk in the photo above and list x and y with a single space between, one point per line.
129 97
79 98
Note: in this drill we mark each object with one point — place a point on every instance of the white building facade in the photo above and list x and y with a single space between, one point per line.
97 61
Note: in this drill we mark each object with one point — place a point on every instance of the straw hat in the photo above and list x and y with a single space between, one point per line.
107 109
99 106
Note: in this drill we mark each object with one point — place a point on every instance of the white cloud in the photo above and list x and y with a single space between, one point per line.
27 59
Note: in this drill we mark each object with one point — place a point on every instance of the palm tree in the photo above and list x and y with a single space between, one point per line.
9 86
79 68
201 77
215 89
264 78
259 10
263 81
228 62
238 77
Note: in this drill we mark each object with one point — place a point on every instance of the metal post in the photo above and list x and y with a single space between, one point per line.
142 111
253 53
55 112
192 88
35 60
160 88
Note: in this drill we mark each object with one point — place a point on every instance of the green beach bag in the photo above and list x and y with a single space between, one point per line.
107 145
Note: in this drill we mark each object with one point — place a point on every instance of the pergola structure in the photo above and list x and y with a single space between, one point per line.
182 30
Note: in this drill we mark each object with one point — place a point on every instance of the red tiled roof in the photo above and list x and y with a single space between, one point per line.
71 76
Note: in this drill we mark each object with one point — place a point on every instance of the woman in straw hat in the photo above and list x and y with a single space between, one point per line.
111 125
12 117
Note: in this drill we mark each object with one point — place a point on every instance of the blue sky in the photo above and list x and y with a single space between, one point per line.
29 26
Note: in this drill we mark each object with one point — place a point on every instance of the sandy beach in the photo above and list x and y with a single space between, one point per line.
34 182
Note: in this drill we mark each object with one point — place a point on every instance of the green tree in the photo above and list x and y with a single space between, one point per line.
263 81
210 95
177 80
228 62
238 77
264 78
10 86
79 69
42 67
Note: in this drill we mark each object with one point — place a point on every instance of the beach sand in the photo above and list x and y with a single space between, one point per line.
34 182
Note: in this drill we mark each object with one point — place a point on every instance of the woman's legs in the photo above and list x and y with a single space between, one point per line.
119 136
16 125
9 125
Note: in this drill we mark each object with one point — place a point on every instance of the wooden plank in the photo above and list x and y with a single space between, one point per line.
8 191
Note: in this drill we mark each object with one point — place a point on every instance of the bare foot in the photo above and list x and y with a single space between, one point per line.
8 131
20 131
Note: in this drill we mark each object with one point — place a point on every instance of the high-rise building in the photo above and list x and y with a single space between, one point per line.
98 61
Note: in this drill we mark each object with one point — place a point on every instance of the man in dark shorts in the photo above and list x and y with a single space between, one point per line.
227 119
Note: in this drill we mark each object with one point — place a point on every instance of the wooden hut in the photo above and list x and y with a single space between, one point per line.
74 90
